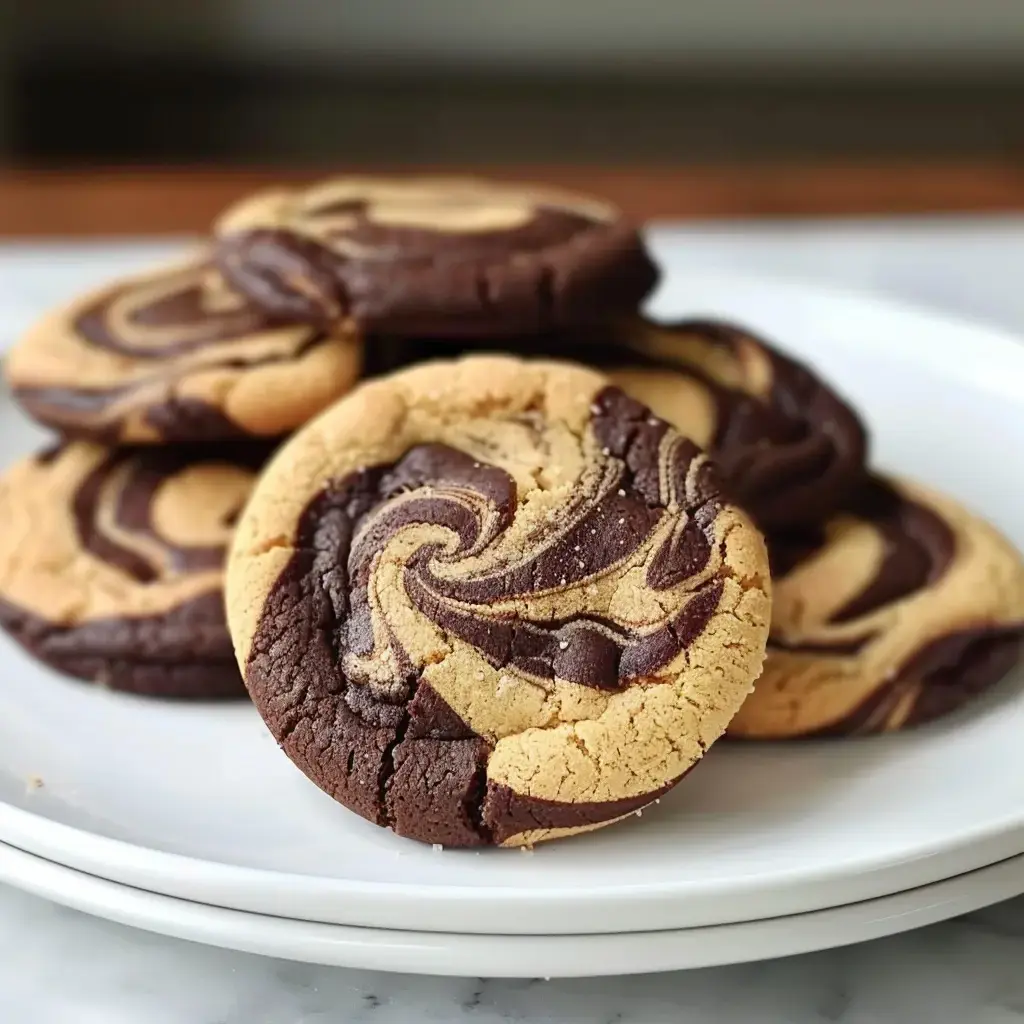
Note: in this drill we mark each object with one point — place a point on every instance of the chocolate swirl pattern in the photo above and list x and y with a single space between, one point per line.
513 607
111 564
789 448
433 257
175 355
897 611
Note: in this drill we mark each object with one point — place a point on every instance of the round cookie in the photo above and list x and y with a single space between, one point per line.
789 448
495 602
897 611
429 257
175 355
112 564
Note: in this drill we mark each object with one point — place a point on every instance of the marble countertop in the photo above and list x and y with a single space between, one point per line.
61 967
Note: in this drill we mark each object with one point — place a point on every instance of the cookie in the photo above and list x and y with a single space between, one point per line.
898 611
495 602
112 564
431 257
789 448
175 355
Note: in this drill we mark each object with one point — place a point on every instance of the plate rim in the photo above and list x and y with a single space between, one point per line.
513 956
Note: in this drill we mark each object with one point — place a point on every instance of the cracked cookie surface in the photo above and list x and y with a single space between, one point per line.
434 256
175 355
112 564
898 610
495 601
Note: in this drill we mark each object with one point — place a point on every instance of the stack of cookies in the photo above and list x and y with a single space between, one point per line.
168 390
514 584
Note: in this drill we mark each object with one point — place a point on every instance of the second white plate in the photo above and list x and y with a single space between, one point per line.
513 956
195 802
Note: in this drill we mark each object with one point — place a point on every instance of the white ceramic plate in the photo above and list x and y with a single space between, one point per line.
513 956
196 802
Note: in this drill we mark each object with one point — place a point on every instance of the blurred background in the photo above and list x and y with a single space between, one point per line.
406 81
125 117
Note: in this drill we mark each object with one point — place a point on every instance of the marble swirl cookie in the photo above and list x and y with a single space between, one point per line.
434 256
112 562
175 355
495 602
789 448
897 611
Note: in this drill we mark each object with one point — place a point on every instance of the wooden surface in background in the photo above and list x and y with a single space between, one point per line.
155 201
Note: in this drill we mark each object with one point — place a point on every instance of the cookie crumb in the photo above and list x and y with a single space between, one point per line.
34 782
